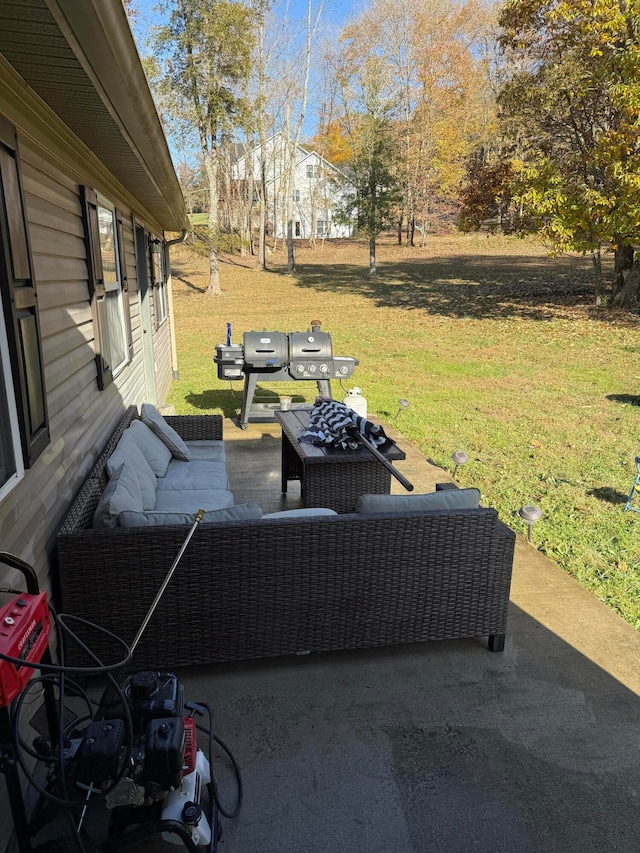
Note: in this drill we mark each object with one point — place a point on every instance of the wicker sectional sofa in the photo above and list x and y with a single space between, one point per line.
280 586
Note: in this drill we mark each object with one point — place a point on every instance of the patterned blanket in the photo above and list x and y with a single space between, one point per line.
334 423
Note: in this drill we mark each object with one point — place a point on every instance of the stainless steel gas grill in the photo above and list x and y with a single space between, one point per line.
281 357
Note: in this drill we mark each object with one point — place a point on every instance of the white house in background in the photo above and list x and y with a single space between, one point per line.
317 191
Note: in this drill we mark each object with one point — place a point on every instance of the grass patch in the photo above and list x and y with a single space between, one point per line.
500 353
199 218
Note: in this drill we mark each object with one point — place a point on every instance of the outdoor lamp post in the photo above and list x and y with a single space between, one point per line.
530 513
460 458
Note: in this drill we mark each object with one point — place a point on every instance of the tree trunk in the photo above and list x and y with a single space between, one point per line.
400 221
622 266
628 296
262 217
291 261
372 256
211 168
412 232
596 259
290 149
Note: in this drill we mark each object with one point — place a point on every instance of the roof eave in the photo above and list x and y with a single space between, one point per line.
99 34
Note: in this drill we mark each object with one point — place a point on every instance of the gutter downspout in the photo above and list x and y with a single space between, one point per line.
174 350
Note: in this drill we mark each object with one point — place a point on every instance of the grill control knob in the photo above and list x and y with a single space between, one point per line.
323 368
312 368
344 369
300 368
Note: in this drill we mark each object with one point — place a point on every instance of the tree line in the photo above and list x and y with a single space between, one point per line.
522 116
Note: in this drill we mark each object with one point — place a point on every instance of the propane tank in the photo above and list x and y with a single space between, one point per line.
356 401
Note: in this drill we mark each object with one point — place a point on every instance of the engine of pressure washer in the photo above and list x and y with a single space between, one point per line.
164 762
155 703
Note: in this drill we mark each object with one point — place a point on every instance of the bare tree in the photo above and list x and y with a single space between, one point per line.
203 61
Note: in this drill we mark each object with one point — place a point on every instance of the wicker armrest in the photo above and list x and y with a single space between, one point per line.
196 427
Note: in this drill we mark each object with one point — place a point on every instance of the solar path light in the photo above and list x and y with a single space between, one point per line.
530 513
460 458
402 404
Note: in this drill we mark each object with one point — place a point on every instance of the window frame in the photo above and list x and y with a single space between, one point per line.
10 426
23 402
159 280
104 335
295 195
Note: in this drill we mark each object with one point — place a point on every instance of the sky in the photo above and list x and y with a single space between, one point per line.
334 12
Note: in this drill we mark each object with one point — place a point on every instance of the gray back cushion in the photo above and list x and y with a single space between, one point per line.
446 499
153 449
121 494
127 452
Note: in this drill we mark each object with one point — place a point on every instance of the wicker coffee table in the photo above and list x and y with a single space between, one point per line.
330 477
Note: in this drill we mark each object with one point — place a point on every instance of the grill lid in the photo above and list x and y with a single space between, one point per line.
308 345
265 349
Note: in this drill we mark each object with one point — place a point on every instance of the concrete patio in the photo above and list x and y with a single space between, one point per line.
439 747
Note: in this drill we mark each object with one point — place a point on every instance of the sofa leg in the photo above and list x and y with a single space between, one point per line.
496 642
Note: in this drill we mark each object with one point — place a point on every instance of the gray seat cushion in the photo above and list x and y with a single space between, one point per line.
213 451
196 474
238 512
305 512
192 500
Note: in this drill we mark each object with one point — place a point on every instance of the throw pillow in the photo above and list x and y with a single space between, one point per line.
153 449
121 494
446 499
154 420
240 512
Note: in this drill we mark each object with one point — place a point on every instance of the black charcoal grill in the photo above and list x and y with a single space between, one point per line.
281 357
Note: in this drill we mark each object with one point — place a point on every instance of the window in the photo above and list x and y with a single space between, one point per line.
296 195
159 281
320 228
298 230
24 431
11 467
108 285
312 170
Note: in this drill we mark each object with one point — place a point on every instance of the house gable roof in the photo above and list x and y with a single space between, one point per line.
80 58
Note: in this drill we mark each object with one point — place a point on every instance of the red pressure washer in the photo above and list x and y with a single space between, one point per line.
130 769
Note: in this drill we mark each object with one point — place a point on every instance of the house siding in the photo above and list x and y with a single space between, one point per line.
81 417
162 356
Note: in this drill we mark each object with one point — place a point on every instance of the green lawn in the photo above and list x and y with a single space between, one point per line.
499 352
